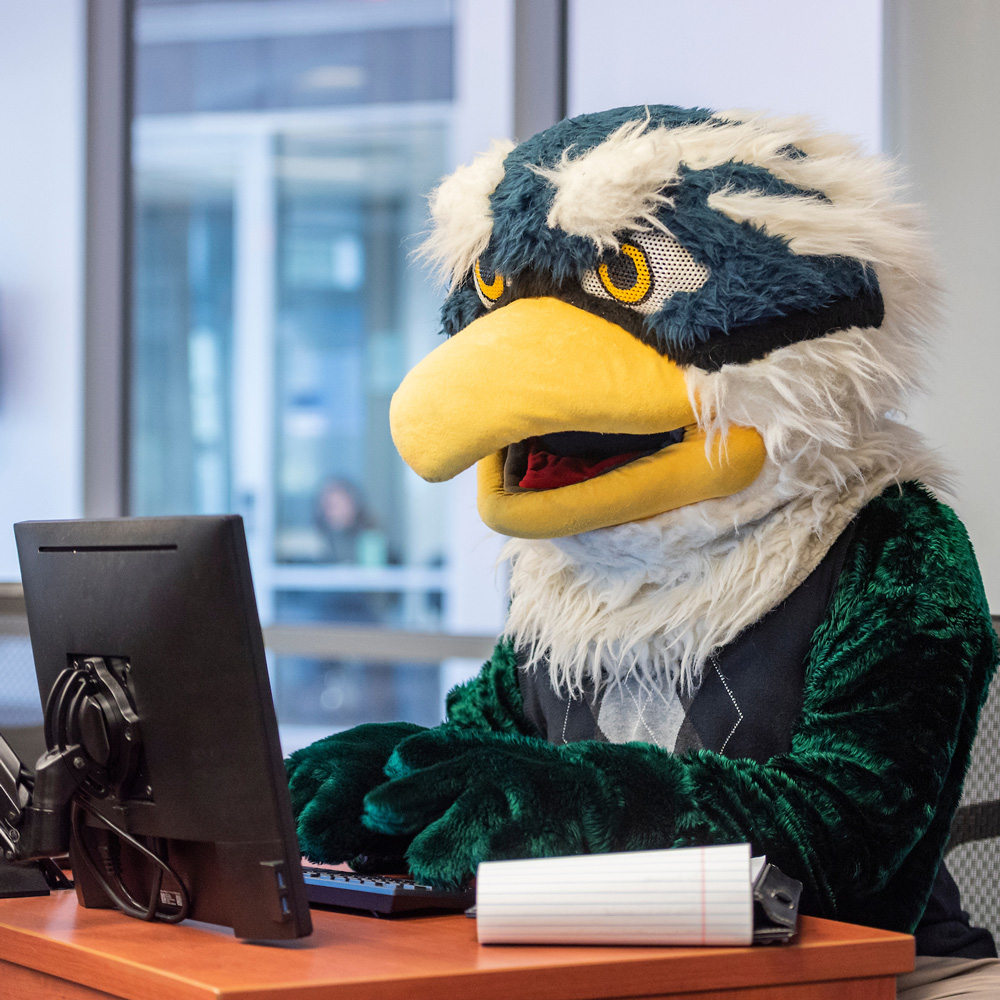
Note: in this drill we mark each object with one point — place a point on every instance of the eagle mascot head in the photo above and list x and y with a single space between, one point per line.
679 343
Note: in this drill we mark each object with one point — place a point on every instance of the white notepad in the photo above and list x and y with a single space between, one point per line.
685 896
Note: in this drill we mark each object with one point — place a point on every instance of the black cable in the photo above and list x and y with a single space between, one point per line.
55 710
72 712
154 894
123 898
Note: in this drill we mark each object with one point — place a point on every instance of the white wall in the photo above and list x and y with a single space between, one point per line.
783 56
943 91
41 264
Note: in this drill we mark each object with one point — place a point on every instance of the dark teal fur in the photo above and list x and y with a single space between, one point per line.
858 810
490 701
754 276
461 308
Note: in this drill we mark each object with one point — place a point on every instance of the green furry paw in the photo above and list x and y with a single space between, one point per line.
328 782
468 797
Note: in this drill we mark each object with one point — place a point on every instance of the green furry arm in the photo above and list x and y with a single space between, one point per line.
858 809
492 699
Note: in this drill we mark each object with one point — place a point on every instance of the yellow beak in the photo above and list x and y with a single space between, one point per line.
540 366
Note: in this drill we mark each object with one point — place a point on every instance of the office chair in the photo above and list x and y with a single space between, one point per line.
18 688
20 711
973 851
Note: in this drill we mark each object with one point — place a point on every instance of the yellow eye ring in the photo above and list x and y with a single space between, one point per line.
643 283
489 293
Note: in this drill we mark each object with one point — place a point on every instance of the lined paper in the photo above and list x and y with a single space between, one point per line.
684 896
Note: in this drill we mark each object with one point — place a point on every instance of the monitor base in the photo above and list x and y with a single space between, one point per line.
34 878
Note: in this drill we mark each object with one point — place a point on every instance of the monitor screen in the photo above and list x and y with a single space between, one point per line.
151 665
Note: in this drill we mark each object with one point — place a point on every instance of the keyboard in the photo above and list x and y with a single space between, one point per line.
379 894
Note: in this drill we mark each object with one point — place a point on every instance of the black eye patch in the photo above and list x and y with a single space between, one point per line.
752 341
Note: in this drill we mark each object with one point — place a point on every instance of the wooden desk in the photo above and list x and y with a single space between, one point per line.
100 953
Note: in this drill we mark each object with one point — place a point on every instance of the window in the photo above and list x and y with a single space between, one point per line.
282 153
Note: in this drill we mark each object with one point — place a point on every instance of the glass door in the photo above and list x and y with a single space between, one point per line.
282 154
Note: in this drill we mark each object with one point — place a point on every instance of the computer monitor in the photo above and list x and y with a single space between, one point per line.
150 660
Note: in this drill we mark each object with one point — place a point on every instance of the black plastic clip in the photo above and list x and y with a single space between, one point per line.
775 906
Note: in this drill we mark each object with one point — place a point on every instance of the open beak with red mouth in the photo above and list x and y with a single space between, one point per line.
575 424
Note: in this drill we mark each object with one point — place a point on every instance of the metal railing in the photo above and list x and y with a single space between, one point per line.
316 640
11 600
324 641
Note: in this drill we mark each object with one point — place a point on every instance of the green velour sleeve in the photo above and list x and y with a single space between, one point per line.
858 809
491 701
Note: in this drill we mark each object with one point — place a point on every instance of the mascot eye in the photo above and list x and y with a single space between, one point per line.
626 276
489 283
646 272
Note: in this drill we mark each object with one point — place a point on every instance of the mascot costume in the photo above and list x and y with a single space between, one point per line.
678 345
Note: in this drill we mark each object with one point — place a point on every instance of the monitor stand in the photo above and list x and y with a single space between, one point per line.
93 738
33 878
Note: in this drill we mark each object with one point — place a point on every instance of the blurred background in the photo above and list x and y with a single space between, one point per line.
207 295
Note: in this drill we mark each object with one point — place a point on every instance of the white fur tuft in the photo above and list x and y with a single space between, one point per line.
870 232
620 184
652 600
617 185
461 214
